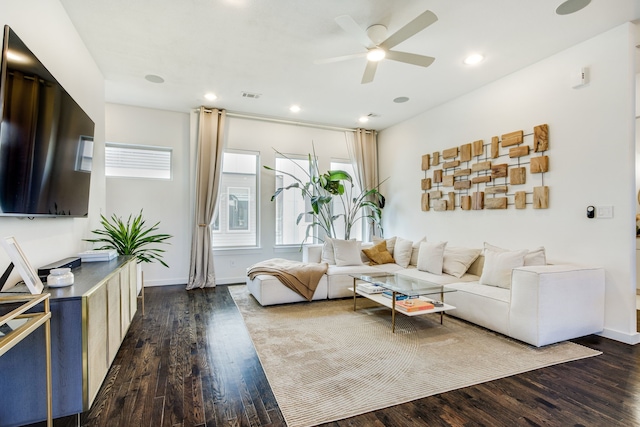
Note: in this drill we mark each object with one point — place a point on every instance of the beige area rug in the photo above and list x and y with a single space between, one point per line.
325 362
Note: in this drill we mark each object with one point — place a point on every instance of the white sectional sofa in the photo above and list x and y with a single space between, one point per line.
544 304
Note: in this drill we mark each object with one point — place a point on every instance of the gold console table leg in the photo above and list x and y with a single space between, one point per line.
47 343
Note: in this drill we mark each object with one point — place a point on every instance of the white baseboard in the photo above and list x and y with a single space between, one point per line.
231 281
624 337
165 282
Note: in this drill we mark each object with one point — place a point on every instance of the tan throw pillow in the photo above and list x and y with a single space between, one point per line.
533 257
416 250
431 257
327 252
498 266
402 253
458 260
346 252
379 254
391 243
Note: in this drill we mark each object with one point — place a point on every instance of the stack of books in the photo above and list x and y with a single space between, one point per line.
413 305
399 297
98 255
370 288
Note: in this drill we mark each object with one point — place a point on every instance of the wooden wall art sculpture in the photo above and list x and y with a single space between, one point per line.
495 175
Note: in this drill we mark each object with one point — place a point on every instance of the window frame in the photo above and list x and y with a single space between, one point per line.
139 147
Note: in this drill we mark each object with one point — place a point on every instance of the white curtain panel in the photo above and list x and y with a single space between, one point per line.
211 127
363 151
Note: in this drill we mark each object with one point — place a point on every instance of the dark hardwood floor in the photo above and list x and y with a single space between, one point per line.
190 362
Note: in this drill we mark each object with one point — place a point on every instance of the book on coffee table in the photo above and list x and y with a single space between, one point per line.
414 304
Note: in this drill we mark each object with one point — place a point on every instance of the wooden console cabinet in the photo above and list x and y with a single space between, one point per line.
89 320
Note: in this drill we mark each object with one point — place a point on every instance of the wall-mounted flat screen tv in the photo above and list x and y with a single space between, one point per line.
46 140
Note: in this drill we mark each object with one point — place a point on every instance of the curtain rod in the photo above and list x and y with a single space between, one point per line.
283 121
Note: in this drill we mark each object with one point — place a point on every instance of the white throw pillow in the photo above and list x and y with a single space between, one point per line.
416 250
498 266
431 257
534 257
391 243
458 260
347 252
402 252
327 252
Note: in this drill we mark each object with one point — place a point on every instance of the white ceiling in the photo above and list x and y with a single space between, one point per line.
269 47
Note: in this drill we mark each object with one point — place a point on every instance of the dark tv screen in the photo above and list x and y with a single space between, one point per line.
46 140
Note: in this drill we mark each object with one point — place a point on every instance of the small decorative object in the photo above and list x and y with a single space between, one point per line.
28 274
60 277
131 238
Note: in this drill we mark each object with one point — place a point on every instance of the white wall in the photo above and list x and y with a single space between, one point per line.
592 162
167 201
45 28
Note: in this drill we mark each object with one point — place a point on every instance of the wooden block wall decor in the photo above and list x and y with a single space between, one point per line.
499 171
465 203
517 176
541 197
496 189
426 162
539 164
440 205
448 180
450 153
449 165
495 203
521 199
478 148
462 172
520 151
426 184
513 138
451 203
477 201
435 158
462 185
481 166
495 147
481 179
424 203
437 176
435 194
541 138
465 152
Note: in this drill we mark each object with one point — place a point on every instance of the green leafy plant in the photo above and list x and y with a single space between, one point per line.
322 188
131 238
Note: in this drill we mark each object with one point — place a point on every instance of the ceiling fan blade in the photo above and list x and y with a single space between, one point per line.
369 72
418 24
410 58
340 58
350 26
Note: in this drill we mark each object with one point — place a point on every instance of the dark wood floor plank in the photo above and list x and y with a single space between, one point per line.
189 362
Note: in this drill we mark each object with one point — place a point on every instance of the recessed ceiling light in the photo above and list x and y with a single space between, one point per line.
294 108
210 96
400 99
476 58
572 6
154 79
363 119
376 55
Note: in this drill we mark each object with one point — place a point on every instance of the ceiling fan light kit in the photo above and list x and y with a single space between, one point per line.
379 46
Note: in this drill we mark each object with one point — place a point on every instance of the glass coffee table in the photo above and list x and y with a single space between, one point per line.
386 289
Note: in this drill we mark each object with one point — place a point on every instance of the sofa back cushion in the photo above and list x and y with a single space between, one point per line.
498 266
378 254
346 252
457 260
431 257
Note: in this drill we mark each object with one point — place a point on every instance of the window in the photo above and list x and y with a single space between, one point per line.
235 222
290 203
350 193
137 161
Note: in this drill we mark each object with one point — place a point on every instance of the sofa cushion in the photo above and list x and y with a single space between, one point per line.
416 250
391 243
475 288
346 252
403 251
457 260
534 256
431 257
335 270
379 254
498 266
438 279
327 252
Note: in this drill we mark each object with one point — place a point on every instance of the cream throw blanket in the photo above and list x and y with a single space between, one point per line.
300 277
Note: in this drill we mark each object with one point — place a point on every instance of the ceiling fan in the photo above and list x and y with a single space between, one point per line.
379 46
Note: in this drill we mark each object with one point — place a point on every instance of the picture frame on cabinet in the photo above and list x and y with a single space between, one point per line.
26 271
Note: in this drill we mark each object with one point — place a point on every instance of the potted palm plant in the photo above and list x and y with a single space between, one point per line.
132 237
322 189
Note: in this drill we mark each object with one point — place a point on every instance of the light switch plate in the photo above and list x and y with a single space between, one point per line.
604 212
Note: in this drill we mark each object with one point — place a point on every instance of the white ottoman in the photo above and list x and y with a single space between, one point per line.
268 290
